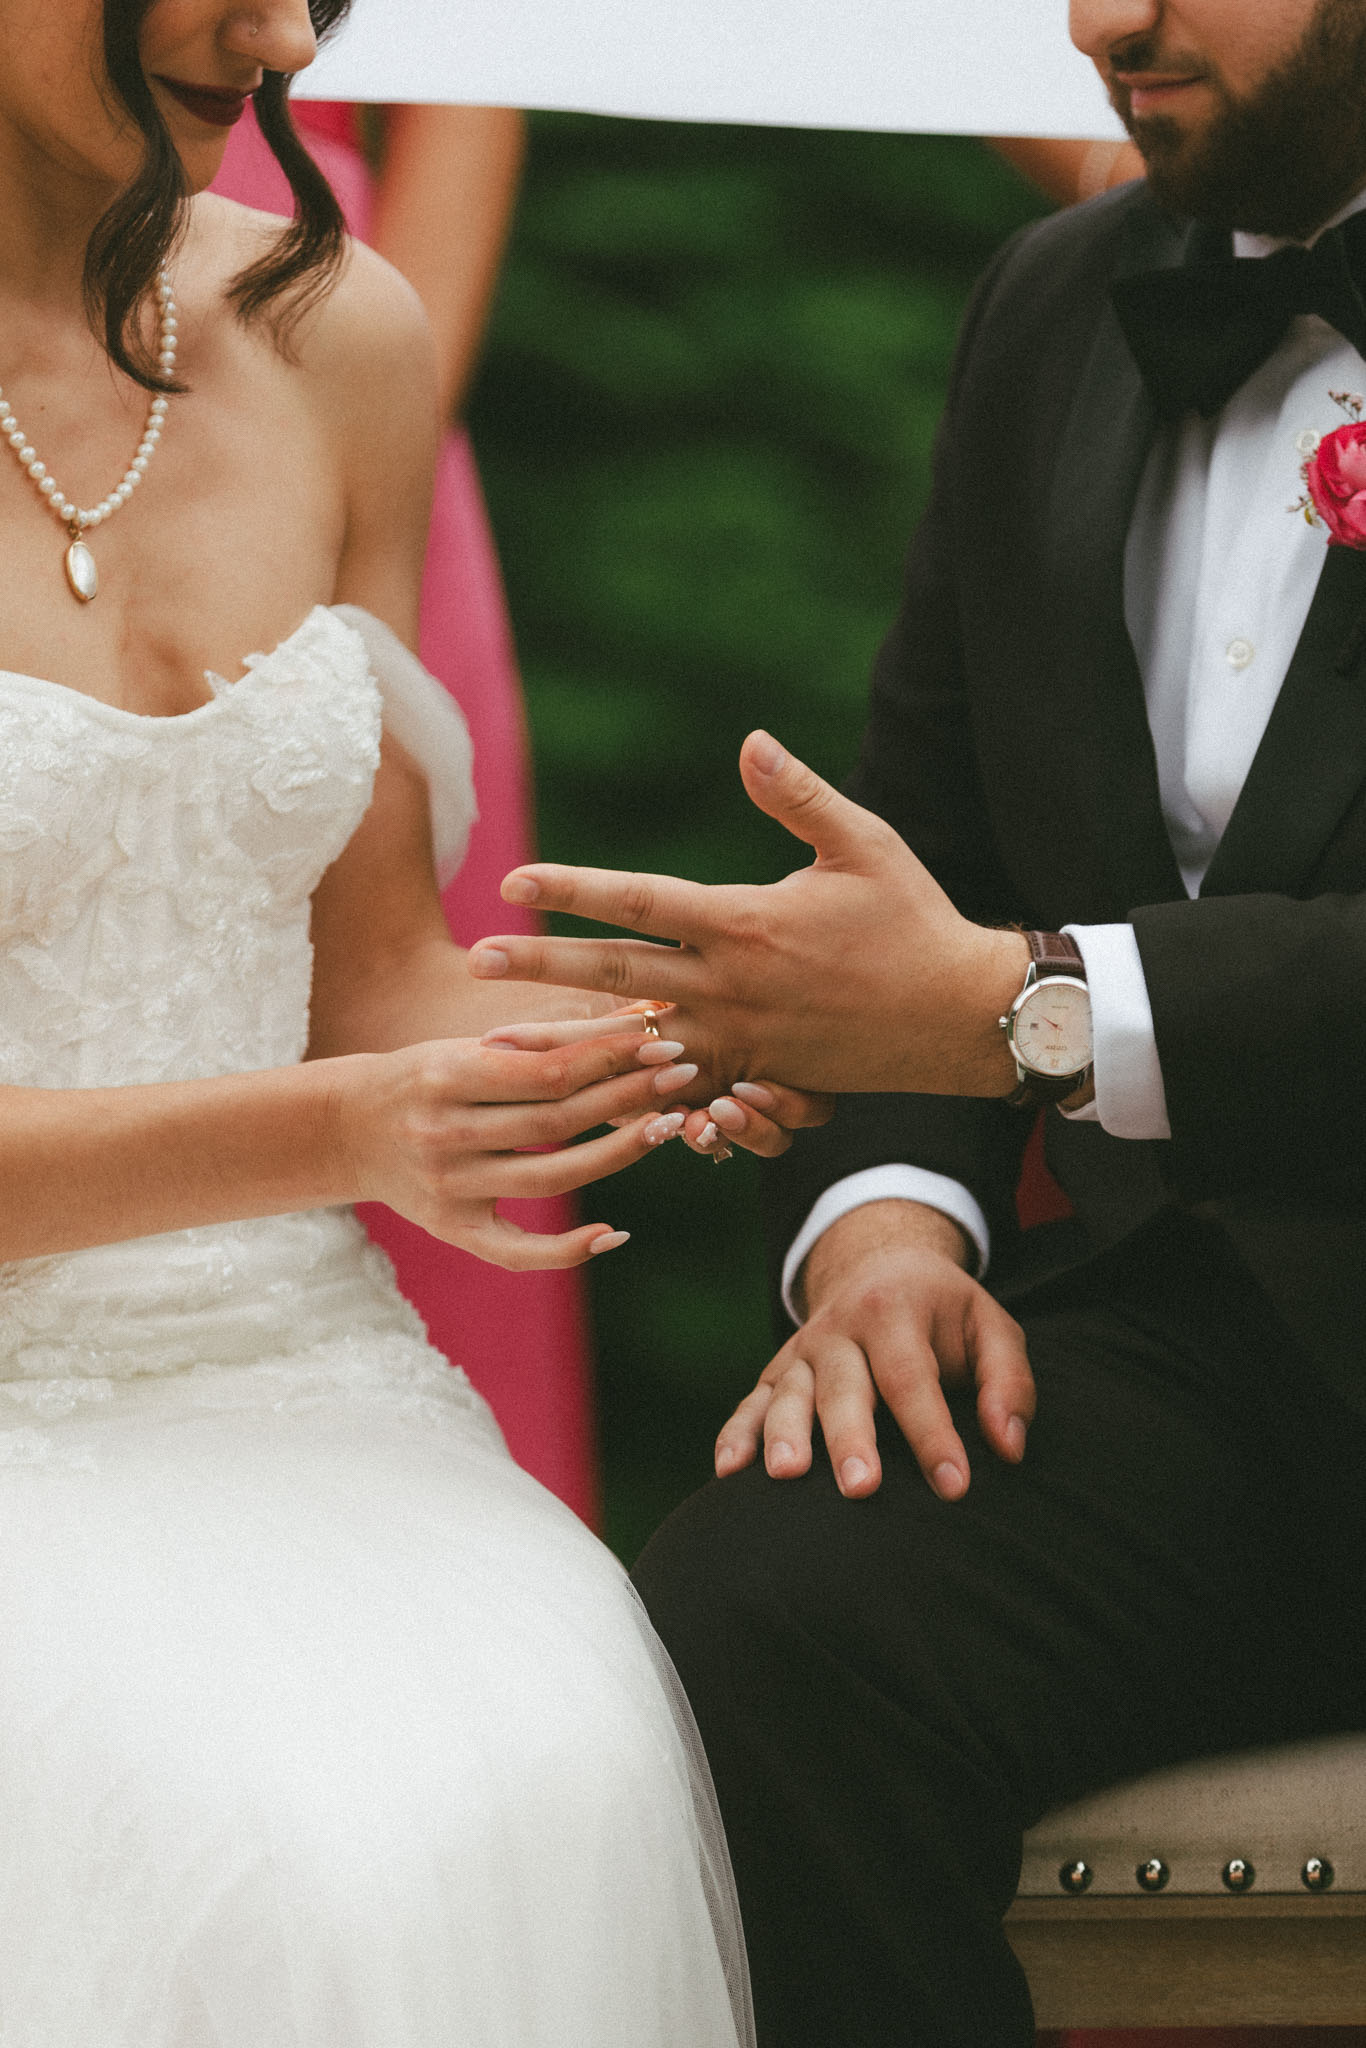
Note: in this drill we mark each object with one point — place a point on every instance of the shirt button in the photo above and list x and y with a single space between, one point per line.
1238 654
1307 442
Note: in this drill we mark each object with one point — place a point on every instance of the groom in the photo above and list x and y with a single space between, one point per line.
1109 1514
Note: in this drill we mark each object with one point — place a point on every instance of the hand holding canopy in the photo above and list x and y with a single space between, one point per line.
854 973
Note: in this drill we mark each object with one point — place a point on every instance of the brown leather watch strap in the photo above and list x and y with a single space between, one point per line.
1055 953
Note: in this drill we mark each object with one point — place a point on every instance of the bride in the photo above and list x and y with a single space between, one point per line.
324 1726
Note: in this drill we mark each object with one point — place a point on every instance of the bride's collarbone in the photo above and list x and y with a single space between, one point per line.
233 534
192 575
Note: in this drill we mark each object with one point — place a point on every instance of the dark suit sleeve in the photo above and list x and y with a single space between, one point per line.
917 768
1259 1009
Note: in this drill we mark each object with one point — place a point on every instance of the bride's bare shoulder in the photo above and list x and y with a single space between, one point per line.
365 332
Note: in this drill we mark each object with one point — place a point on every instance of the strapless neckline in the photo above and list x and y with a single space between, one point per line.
222 686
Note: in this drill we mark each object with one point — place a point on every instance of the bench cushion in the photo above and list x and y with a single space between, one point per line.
1273 1808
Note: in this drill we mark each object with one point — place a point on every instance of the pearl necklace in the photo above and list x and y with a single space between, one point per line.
81 573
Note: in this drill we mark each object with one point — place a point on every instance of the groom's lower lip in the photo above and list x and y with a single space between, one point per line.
219 107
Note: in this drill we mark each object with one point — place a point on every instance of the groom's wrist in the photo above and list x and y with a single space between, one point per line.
999 961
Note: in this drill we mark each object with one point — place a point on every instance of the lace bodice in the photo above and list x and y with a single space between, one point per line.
155 873
155 885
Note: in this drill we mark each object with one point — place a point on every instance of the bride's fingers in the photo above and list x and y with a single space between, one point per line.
559 1173
515 1127
701 1135
506 1244
792 1108
501 1074
746 1127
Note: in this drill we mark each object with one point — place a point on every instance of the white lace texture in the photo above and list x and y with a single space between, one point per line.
155 883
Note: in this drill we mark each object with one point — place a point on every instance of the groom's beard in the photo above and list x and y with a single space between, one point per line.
1279 162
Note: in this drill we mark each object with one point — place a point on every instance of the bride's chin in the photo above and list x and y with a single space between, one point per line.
201 165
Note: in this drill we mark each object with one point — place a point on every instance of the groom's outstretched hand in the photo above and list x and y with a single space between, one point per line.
854 973
892 1315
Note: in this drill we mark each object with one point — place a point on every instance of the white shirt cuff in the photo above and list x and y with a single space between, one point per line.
885 1184
1130 1101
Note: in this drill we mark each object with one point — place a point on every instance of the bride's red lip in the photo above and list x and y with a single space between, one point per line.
220 106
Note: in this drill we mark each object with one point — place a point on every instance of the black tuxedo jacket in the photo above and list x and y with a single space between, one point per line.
1008 742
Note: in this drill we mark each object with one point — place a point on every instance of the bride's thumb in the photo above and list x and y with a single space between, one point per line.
809 808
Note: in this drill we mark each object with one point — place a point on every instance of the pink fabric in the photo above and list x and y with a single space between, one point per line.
522 1337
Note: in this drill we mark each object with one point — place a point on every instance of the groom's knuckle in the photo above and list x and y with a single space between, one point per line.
637 900
747 916
616 975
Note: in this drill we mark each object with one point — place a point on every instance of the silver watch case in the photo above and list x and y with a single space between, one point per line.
1024 1067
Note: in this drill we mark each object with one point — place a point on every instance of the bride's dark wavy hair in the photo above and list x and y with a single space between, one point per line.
139 231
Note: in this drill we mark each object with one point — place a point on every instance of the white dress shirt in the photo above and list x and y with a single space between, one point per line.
1219 575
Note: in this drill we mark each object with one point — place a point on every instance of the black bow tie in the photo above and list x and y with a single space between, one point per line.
1199 332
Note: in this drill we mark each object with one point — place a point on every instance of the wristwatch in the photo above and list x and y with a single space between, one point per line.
1048 1028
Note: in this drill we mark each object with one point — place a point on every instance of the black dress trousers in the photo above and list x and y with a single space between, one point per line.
890 1691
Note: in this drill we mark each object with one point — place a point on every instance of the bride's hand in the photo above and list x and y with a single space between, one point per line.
758 1116
440 1133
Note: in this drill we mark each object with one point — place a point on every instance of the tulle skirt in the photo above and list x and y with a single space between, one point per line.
324 1726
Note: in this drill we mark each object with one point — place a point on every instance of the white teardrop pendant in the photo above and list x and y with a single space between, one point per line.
81 572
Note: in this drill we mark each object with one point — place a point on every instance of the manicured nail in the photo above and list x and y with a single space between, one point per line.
661 1127
728 1114
753 1094
948 1481
657 1052
608 1242
1015 1437
670 1078
707 1137
780 1454
853 1472
489 962
521 889
767 756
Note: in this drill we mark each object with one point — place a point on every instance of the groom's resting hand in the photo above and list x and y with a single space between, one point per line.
854 973
890 1312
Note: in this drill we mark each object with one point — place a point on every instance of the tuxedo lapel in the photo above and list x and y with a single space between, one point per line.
1095 691
1312 759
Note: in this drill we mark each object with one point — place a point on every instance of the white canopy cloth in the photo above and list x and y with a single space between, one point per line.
974 67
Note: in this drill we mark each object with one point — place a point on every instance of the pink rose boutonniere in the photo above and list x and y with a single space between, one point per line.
1335 478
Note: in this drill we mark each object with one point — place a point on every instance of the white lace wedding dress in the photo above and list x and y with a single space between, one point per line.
321 1725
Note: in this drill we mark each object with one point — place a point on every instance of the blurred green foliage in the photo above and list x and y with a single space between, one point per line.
704 420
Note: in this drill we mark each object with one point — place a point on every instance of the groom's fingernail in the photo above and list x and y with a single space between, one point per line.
489 961
753 1094
1015 1437
521 889
780 1456
661 1127
767 756
948 1481
669 1078
853 1472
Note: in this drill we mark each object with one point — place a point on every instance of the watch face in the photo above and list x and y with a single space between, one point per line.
1052 1029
